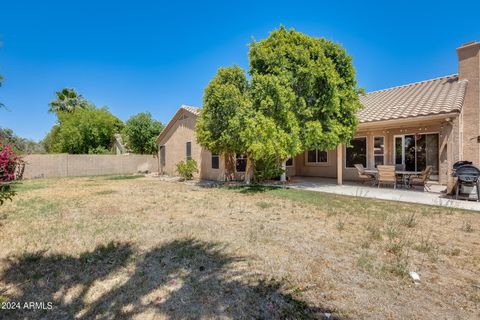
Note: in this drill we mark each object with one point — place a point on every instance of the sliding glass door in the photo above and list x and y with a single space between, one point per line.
413 152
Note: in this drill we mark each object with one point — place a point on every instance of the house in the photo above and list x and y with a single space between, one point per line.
433 122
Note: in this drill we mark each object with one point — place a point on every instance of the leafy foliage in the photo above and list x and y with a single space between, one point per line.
186 169
141 132
68 100
267 168
88 130
224 102
316 82
19 144
10 170
302 95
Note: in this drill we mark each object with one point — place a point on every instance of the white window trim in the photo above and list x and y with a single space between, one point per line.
345 153
373 150
317 164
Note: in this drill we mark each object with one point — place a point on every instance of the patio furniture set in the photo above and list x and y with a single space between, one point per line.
394 175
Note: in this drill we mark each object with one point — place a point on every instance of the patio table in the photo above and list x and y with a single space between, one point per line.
404 173
406 176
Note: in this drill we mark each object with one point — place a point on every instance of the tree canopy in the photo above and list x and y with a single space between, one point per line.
83 131
68 100
19 144
302 95
318 77
141 131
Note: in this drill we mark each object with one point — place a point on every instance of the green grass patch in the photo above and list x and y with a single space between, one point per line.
30 185
125 177
264 204
105 192
37 206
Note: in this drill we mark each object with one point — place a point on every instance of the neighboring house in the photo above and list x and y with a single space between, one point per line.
434 122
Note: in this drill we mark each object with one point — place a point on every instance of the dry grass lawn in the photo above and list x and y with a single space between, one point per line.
121 248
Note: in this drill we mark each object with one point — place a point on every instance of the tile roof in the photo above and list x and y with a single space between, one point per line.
430 97
194 110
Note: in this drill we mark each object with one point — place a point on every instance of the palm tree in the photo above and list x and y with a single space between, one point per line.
68 100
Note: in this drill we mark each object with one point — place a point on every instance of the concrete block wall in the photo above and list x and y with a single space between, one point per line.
73 165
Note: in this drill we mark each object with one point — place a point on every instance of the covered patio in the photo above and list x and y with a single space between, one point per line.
435 197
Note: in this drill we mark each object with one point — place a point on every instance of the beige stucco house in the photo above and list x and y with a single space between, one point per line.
433 122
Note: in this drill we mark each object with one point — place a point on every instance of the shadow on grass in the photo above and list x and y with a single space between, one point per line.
253 188
183 279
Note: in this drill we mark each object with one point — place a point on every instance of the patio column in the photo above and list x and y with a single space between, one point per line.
340 164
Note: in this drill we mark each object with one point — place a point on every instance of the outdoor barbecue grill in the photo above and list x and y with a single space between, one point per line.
468 180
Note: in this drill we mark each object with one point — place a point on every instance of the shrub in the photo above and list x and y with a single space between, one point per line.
186 169
10 170
266 169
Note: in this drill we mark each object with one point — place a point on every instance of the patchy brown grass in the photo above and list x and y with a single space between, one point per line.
144 248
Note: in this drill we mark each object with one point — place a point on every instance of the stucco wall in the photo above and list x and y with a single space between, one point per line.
327 170
67 165
449 147
174 141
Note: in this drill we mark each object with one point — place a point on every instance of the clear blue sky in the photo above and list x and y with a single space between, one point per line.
139 55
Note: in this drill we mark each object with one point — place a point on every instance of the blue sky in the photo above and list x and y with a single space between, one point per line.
135 56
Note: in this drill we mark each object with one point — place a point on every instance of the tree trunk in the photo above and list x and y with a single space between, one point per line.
283 177
249 171
229 166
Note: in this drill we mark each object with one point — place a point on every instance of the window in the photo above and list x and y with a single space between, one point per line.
241 163
289 162
188 151
379 150
357 153
215 161
162 156
317 156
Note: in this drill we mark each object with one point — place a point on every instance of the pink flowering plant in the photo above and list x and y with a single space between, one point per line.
11 169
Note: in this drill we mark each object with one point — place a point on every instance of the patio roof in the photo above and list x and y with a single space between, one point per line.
431 97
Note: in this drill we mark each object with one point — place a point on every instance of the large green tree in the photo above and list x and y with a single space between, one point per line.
302 95
224 110
83 131
321 76
68 100
141 131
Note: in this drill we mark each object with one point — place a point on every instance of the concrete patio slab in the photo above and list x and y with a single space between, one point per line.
434 198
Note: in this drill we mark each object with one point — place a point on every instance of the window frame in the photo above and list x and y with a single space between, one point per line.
317 163
188 147
293 162
215 155
378 155
243 157
163 155
366 152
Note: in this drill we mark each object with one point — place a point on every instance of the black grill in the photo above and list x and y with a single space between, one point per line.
468 176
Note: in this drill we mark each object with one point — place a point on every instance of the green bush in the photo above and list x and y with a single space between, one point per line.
267 169
186 169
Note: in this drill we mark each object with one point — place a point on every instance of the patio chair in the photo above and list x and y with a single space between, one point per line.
364 177
386 175
422 179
